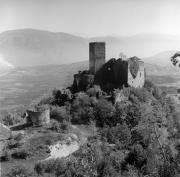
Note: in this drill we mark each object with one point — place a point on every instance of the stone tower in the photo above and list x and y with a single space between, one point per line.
96 56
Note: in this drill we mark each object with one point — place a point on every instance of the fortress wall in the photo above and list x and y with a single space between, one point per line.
83 81
38 117
113 72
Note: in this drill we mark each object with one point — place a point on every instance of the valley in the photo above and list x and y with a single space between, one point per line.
22 86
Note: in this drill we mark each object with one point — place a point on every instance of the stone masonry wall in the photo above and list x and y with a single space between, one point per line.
96 56
38 118
139 80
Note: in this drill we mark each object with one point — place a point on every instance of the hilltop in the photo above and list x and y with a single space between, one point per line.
91 134
99 125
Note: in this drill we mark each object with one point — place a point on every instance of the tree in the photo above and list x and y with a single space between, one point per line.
104 113
174 59
19 171
82 109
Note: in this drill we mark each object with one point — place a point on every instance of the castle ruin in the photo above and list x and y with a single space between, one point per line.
38 117
96 56
110 75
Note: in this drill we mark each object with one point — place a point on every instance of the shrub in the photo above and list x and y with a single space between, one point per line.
122 109
52 166
95 91
5 156
18 137
55 126
41 108
166 170
141 94
156 92
11 119
46 100
39 168
104 112
134 114
131 171
136 157
13 144
119 134
20 154
63 127
48 142
60 97
59 113
19 171
148 85
82 109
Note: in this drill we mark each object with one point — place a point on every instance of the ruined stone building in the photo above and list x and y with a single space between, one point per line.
38 117
115 73
96 56
137 78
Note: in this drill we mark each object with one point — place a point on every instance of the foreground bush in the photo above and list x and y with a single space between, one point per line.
119 134
11 119
104 113
20 154
19 171
59 113
14 144
82 109
5 156
53 166
58 127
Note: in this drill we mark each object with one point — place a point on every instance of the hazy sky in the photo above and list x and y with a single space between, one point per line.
92 17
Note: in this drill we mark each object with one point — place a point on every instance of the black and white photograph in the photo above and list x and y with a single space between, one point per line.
90 88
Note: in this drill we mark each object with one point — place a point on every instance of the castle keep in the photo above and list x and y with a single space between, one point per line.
110 75
96 56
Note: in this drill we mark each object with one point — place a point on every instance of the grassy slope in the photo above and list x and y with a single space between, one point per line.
36 141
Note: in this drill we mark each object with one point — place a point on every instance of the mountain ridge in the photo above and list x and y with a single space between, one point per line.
30 47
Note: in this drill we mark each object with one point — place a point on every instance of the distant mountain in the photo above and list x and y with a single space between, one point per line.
141 45
29 47
162 59
154 69
4 66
